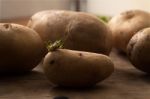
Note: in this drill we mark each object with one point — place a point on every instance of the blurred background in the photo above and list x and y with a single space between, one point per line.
11 9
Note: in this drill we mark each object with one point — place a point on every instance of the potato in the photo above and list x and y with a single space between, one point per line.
126 24
21 48
138 50
71 68
79 30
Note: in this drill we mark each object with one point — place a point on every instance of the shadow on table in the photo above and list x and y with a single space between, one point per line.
21 76
145 77
79 92
132 74
78 89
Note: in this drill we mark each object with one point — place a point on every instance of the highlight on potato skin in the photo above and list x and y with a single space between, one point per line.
80 31
138 50
21 48
71 68
125 25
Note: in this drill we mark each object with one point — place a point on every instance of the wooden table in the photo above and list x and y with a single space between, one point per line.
125 83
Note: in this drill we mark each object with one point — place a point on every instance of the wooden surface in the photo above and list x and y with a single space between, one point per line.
125 83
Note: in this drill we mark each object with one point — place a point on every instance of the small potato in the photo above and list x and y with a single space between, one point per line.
126 24
76 68
79 30
21 48
138 50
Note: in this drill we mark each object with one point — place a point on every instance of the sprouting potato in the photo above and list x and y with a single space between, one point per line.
71 68
79 30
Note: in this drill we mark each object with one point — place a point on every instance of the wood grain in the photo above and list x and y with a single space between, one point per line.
125 83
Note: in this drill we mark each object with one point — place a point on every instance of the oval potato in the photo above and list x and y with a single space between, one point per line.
79 30
126 24
21 48
138 50
76 68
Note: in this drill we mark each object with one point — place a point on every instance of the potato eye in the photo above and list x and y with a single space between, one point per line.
7 26
52 62
80 54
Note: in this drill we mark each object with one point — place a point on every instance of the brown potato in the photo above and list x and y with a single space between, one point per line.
126 24
76 68
21 48
79 30
138 50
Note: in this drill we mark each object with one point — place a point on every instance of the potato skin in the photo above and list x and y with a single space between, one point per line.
82 31
76 68
138 50
21 48
126 24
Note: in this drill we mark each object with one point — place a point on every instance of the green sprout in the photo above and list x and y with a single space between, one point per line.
103 18
54 46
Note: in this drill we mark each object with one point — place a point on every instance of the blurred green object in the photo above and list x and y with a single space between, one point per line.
104 18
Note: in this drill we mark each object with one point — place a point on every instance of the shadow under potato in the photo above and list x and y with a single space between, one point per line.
89 88
145 77
13 73
132 75
20 75
68 92
119 52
